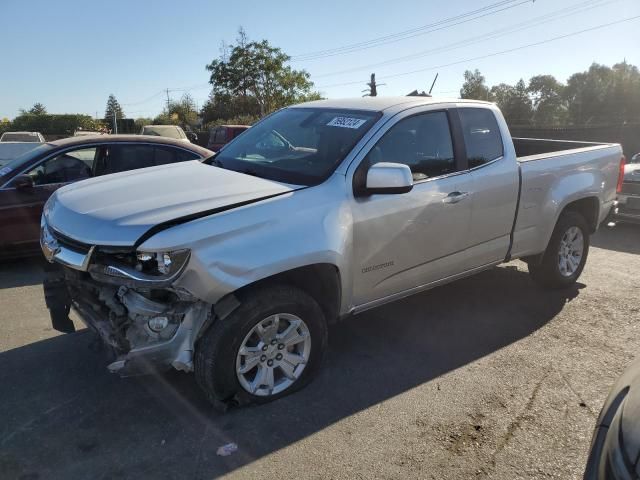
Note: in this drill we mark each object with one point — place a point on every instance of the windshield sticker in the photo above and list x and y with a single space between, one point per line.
346 122
4 171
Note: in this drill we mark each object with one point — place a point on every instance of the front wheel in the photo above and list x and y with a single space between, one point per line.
270 346
566 253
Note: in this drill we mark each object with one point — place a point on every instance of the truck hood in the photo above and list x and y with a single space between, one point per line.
118 209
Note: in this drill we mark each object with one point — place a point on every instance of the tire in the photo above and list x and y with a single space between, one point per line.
217 352
548 273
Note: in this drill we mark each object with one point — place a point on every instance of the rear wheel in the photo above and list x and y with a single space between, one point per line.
566 253
270 346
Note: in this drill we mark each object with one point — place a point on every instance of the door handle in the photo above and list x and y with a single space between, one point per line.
455 197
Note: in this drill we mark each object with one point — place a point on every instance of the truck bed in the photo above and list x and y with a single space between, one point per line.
554 173
537 148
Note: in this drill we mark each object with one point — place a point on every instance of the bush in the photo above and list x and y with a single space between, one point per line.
52 124
237 120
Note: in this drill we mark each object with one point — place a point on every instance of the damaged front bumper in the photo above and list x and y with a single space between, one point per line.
148 326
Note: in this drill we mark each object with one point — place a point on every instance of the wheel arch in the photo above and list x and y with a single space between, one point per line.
588 207
321 281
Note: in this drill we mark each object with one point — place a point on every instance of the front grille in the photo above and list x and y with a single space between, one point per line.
70 243
631 188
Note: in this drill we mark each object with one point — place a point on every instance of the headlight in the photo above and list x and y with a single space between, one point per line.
151 268
161 263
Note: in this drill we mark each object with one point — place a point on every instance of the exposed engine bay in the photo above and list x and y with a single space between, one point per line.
132 318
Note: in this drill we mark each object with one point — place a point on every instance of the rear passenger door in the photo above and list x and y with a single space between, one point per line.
403 241
494 171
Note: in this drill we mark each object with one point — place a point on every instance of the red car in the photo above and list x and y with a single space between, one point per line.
223 134
27 182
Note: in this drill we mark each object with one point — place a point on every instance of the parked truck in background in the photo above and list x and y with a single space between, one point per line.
234 269
627 206
223 134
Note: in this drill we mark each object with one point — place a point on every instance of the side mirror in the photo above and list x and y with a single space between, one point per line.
192 136
386 178
23 182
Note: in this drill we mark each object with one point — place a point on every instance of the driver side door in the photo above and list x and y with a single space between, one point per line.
22 207
405 241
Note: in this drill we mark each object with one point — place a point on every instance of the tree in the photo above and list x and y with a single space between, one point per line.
141 122
182 112
38 109
514 102
5 125
223 106
549 107
113 107
600 95
586 95
603 95
258 72
624 94
474 86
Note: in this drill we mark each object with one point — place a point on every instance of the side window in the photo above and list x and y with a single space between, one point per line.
423 142
184 156
481 134
165 155
68 167
120 158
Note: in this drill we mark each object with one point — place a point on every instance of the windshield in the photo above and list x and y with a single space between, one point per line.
20 137
297 145
18 162
163 131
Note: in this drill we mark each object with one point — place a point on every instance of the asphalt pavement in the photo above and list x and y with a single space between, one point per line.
488 377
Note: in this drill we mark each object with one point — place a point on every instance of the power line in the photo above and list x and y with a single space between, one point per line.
198 86
145 100
429 28
481 57
553 16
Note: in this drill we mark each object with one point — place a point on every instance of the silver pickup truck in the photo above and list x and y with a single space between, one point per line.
233 267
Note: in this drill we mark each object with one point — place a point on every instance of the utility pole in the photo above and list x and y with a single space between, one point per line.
115 122
167 100
373 87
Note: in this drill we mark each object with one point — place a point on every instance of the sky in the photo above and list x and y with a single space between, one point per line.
71 54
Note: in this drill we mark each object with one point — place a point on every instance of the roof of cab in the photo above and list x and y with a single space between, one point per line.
378 104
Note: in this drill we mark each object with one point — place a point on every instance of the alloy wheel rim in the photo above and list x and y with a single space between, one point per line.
273 354
571 251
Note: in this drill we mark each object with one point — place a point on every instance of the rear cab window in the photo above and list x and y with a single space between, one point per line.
221 135
481 134
236 131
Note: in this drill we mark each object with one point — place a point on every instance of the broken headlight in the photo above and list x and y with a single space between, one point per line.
153 268
161 263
